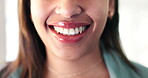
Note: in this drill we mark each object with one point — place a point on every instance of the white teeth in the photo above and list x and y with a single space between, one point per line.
57 29
81 29
76 30
65 31
69 32
61 30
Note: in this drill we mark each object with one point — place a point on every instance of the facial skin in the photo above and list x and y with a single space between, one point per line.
93 12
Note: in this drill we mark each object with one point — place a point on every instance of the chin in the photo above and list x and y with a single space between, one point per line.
69 55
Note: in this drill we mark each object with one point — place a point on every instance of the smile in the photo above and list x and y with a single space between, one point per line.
69 32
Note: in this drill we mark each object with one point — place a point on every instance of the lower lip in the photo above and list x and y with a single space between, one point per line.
68 39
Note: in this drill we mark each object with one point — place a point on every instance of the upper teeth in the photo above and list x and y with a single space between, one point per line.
71 31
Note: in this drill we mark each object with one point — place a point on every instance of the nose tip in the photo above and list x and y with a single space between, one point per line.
68 10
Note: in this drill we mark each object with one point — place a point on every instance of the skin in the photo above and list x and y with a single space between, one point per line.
74 57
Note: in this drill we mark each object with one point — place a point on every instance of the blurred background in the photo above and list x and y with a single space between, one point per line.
133 30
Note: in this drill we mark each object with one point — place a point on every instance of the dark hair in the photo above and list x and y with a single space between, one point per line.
110 39
32 54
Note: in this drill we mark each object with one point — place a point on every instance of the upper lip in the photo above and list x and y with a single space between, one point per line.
68 24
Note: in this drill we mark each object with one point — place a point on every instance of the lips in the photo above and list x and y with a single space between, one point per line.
68 32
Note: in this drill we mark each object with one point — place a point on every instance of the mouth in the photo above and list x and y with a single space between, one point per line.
69 32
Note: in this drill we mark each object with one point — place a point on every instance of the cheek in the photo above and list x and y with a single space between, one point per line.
40 10
98 12
99 17
98 8
37 14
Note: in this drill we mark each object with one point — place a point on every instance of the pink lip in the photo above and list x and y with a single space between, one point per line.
65 38
68 24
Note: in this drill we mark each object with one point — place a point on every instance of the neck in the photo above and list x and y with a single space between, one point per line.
90 62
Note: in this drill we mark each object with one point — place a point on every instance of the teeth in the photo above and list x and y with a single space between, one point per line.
61 30
81 29
57 29
65 31
69 32
76 30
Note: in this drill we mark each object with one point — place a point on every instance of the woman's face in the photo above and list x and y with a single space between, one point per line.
70 28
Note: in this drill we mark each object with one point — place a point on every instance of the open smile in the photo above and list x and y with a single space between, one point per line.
69 32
